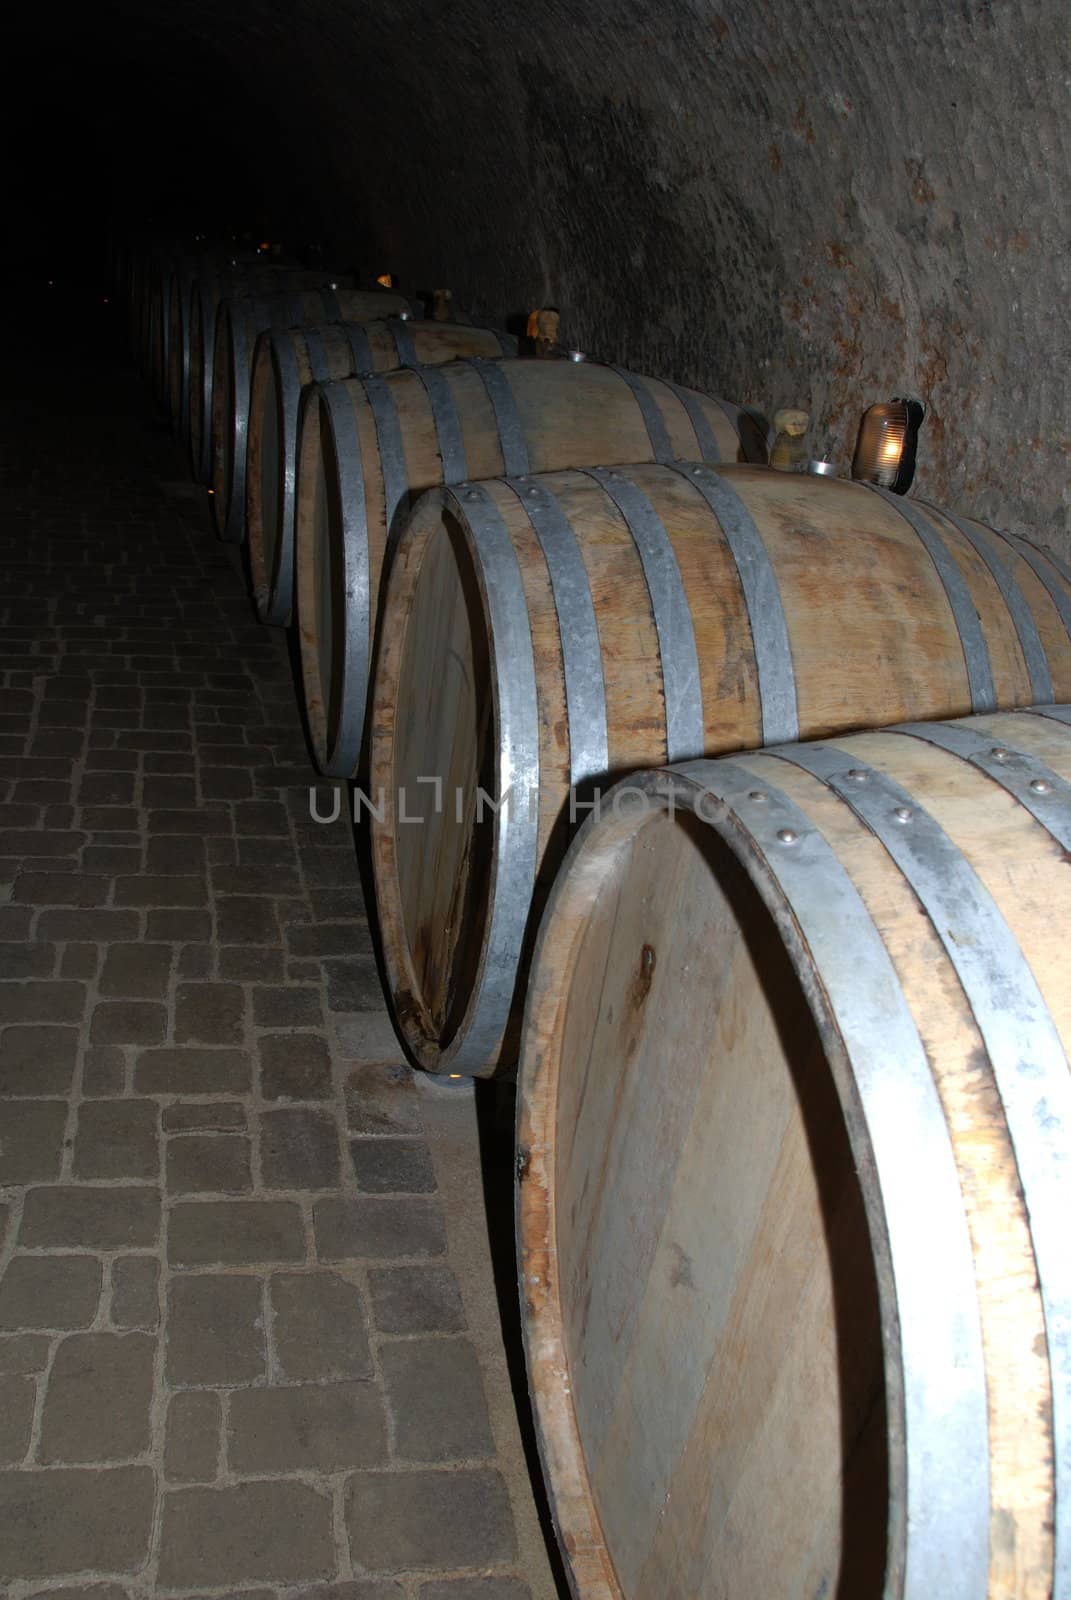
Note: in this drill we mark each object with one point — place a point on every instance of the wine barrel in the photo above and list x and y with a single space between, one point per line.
211 290
540 634
239 323
365 445
285 361
794 1179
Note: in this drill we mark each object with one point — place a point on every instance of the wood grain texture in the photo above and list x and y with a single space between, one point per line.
700 1274
871 634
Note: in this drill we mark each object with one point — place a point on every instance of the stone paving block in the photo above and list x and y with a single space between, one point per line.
31 1140
117 1139
436 1396
23 1353
18 1395
299 1149
98 1399
328 939
90 1218
15 922
204 824
354 985
176 855
476 1589
319 1329
235 1232
136 971
273 881
179 926
294 1066
287 1008
378 1228
382 1099
359 1589
83 1591
128 1022
50 1292
37 1058
80 961
99 925
195 961
410 1521
185 1069
210 1163
219 1114
169 791
192 1438
251 964
273 1531
135 1302
103 1070
26 961
46 1001
416 1300
75 1520
225 783
152 889
215 1331
209 1013
246 919
307 1427
392 1166
107 789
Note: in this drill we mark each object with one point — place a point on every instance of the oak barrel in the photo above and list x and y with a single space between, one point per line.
367 445
541 634
210 291
794 1176
285 361
239 323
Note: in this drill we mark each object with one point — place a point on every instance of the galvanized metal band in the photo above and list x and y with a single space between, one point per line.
357 339
1036 560
511 440
653 420
447 424
350 631
280 597
316 352
706 439
968 626
1054 713
1043 792
578 630
203 465
243 335
392 465
932 1334
403 342
762 597
1027 1057
517 823
681 684
1033 650
329 299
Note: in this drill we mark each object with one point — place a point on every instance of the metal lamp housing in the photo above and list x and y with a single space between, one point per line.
887 446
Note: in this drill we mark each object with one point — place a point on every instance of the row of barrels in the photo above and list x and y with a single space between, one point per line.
790 1011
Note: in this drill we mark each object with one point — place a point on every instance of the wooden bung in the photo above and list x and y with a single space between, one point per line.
539 636
367 445
793 1180
286 360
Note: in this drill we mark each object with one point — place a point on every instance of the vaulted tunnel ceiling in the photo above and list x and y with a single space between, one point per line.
820 203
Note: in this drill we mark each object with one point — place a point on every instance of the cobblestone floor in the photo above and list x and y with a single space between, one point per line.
245 1344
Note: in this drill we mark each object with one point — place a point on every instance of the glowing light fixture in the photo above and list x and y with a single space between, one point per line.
386 280
887 445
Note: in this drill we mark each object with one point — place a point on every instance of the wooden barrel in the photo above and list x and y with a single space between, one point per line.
366 445
285 361
794 1178
239 323
210 291
539 635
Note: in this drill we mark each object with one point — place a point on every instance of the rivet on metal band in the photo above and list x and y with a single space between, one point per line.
585 689
762 597
971 637
681 683
935 1371
1024 1049
653 420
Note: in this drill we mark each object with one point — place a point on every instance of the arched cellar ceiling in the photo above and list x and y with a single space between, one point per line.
819 203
